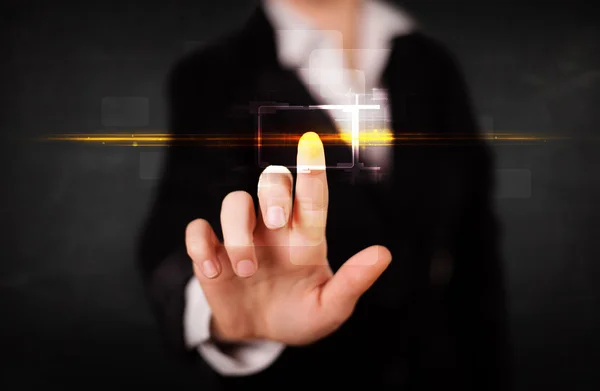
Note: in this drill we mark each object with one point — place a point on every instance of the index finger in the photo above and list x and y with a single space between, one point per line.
312 194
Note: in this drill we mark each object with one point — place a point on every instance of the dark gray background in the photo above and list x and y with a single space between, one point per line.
70 295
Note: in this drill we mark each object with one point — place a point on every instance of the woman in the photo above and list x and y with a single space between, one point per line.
256 273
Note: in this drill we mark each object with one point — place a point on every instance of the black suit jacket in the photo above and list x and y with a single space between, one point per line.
406 332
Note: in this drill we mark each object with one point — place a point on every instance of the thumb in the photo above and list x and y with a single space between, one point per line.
342 291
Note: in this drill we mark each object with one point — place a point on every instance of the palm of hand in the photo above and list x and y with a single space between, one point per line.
270 279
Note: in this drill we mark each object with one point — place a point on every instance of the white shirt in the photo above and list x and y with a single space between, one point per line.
317 58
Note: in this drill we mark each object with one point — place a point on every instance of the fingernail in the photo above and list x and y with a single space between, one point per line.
209 269
276 216
245 268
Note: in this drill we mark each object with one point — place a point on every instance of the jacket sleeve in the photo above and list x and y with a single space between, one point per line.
195 178
475 296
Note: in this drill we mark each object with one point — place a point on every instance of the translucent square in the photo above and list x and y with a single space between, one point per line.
513 183
379 94
125 111
487 123
353 84
326 66
279 149
150 165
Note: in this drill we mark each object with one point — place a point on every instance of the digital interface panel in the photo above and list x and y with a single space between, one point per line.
361 129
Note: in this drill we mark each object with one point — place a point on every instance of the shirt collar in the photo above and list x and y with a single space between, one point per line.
296 36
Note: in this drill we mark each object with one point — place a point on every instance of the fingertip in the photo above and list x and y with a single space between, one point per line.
272 176
383 254
311 154
193 226
235 198
310 136
275 169
200 247
238 218
198 237
275 196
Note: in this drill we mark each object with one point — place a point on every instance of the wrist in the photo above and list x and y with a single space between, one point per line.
229 336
